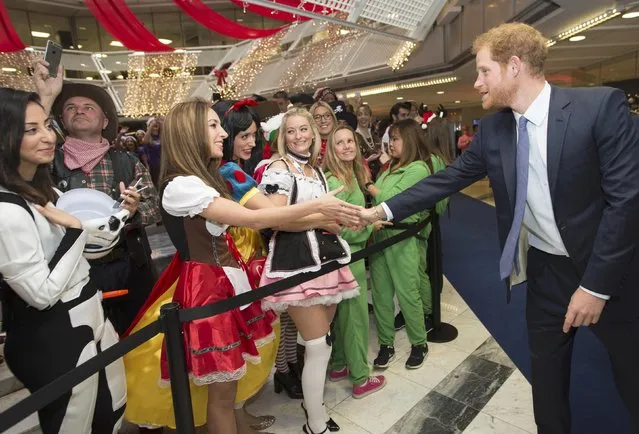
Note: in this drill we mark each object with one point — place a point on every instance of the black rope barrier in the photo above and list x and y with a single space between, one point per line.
200 312
68 381
171 327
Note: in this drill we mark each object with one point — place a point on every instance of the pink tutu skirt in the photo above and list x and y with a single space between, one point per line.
328 289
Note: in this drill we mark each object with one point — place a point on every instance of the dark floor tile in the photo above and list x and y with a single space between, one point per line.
435 414
491 351
474 381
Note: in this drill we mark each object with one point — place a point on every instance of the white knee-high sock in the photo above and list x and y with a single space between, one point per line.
318 353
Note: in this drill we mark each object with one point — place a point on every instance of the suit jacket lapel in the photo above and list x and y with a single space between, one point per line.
558 116
507 139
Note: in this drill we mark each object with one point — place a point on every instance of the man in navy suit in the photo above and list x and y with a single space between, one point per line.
564 168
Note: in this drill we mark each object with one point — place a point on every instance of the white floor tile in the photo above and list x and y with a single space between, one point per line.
378 412
472 332
513 403
452 304
441 360
487 424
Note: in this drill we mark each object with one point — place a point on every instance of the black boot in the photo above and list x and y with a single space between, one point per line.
289 382
296 368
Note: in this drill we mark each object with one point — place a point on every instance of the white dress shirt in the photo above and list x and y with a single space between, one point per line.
539 217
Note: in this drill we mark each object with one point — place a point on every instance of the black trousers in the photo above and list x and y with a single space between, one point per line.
123 274
552 280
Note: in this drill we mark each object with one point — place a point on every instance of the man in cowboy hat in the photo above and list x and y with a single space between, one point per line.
86 159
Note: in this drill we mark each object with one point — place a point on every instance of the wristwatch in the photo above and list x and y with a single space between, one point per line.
368 184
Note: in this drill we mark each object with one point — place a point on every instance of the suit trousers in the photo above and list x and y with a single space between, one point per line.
552 280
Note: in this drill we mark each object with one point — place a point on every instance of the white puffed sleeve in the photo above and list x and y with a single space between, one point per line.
187 196
277 181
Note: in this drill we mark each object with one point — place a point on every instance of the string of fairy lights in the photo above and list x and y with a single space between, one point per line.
326 49
242 73
401 55
156 82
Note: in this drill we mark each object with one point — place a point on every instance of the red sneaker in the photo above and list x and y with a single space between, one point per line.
338 375
372 385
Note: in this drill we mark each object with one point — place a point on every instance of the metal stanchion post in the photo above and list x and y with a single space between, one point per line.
170 320
441 332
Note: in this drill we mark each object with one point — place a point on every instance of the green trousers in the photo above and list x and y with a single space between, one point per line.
396 270
350 348
425 289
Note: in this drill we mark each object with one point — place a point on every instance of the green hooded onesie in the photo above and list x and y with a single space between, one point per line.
351 325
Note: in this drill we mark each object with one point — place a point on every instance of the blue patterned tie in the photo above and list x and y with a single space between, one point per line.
509 254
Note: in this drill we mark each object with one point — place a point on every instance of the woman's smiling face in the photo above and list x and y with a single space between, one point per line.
299 134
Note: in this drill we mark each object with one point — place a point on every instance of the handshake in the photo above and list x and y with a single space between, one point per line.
353 217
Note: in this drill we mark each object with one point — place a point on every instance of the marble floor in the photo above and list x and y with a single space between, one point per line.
468 385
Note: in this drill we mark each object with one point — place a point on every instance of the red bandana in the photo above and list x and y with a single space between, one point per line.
85 155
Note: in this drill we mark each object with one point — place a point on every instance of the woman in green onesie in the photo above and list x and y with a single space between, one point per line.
399 270
344 166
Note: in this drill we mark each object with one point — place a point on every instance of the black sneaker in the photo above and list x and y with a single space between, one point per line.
417 356
384 357
399 321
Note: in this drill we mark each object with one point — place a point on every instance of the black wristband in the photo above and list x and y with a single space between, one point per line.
369 183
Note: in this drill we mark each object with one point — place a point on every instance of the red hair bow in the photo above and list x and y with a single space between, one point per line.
248 102
221 75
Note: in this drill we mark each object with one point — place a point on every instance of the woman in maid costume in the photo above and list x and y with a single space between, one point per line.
53 309
197 209
296 179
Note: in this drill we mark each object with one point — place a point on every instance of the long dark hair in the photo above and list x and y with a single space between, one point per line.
439 141
13 106
234 122
414 144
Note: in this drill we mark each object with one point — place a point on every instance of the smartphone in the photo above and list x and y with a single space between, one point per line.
53 55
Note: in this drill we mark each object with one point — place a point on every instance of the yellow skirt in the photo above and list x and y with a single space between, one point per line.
151 405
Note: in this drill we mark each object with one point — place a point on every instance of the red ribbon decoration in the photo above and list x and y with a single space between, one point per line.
9 39
272 14
310 7
123 25
221 75
219 23
248 102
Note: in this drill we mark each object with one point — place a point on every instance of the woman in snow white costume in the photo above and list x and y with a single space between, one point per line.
197 209
53 309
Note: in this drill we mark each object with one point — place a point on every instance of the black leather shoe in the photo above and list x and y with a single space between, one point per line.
331 425
307 430
288 382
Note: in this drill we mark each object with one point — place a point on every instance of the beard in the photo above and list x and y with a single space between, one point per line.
500 97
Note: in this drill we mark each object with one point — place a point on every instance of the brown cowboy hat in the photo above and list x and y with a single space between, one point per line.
95 93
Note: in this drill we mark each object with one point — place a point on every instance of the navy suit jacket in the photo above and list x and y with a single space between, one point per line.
593 173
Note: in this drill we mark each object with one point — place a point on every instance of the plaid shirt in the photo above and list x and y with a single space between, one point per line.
101 179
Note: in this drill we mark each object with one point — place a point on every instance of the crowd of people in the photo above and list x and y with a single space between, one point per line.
248 200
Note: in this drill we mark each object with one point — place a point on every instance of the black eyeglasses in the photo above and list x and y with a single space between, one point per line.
323 117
